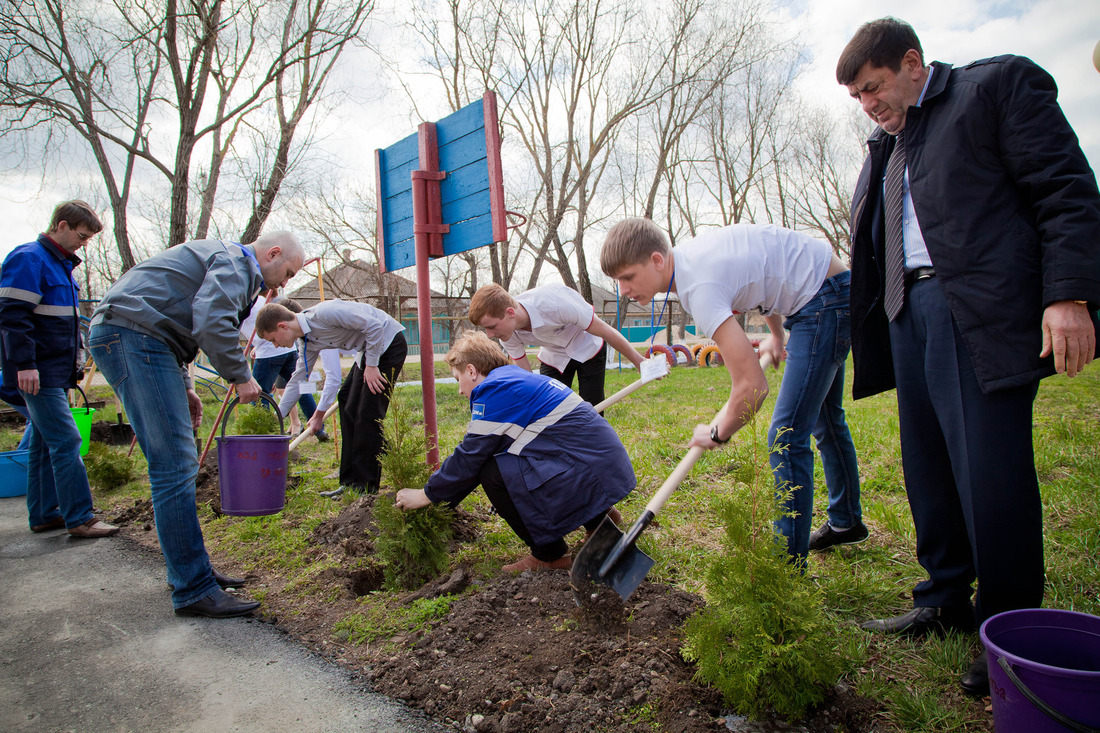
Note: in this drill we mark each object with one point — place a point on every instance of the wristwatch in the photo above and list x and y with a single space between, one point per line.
715 438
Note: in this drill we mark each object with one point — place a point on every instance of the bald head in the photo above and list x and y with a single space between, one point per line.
280 255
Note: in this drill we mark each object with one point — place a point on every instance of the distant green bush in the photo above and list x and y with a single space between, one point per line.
109 468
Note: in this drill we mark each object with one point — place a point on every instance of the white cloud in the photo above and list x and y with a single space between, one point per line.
1056 34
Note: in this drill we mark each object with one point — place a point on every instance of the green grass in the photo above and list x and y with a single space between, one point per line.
917 681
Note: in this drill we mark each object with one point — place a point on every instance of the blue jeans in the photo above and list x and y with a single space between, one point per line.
28 431
57 484
264 371
810 402
145 375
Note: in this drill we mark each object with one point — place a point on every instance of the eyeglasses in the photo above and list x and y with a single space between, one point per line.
83 237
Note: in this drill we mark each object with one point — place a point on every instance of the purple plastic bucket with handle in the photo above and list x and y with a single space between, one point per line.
1044 670
252 470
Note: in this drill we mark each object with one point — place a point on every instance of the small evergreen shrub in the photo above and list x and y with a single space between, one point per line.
108 468
763 639
254 420
411 544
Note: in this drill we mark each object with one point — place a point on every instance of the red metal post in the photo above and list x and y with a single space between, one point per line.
426 227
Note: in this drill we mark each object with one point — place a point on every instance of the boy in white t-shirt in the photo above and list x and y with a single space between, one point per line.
573 339
799 283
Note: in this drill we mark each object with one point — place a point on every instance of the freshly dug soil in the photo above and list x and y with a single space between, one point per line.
514 653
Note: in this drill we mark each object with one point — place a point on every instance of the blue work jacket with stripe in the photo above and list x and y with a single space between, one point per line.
39 317
561 461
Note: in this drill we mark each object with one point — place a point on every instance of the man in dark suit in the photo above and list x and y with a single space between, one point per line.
975 273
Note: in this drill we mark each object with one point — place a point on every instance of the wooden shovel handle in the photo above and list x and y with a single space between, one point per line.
628 389
309 431
688 462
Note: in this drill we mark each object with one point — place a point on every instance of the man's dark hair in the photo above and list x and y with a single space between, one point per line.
881 42
74 213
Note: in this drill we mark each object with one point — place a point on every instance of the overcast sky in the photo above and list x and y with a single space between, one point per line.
1059 35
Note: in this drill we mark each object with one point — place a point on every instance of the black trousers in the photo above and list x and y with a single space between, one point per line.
361 415
590 375
969 466
493 483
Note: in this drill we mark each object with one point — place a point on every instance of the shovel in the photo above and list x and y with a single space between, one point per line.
613 559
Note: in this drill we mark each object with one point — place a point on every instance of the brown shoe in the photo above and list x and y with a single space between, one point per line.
93 528
58 523
615 516
565 562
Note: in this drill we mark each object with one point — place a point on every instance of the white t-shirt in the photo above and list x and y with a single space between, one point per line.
559 317
745 267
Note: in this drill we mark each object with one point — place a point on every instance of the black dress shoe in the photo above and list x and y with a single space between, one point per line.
924 620
219 604
975 681
226 582
825 536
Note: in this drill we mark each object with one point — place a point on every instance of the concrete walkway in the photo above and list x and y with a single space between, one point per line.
88 642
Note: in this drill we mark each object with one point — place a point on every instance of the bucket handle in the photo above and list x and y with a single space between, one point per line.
263 396
78 389
12 459
1045 708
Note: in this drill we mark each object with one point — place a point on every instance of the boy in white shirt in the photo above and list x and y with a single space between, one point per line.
364 396
799 283
573 339
274 364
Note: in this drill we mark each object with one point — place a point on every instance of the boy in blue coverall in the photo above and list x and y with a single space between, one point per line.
547 461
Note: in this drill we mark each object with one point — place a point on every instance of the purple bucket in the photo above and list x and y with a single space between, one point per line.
252 470
1044 670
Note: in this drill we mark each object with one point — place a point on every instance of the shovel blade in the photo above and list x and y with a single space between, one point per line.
625 575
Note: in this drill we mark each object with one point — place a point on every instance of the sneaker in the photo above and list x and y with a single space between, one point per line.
825 536
322 436
565 562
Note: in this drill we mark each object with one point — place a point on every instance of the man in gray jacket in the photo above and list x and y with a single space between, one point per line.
147 329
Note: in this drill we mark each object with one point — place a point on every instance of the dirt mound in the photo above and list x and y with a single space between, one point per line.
354 527
138 514
518 655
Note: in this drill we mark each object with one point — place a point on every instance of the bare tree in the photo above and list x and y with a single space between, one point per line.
133 80
825 160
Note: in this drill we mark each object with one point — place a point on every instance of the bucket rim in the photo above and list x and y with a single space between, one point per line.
1038 614
15 452
227 438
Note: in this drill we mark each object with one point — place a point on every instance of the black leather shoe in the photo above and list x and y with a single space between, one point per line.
226 582
975 681
219 604
825 536
924 620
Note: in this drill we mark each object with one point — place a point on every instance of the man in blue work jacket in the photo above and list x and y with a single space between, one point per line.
40 349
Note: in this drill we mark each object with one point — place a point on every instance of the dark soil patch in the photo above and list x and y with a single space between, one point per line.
111 433
516 653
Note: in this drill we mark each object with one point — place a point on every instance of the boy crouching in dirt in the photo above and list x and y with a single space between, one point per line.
547 461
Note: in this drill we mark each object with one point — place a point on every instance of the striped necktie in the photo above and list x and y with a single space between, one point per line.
894 206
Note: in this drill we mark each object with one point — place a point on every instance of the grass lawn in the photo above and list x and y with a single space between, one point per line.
917 681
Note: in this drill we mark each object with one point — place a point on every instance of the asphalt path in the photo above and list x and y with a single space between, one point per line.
88 642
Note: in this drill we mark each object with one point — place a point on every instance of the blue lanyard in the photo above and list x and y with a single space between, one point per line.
654 325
